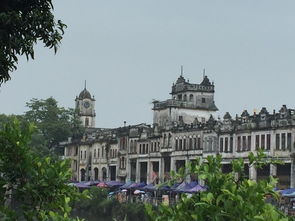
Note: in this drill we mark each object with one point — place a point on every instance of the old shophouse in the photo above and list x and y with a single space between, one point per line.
184 127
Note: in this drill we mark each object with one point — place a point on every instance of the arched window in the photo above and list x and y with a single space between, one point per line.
185 97
94 153
95 173
104 173
83 173
191 98
86 122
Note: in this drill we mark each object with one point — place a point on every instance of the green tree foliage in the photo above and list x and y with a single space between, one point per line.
100 208
22 24
55 124
230 197
31 188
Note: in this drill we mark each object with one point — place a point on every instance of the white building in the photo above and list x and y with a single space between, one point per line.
184 128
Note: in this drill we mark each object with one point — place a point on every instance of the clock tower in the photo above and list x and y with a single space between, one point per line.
85 106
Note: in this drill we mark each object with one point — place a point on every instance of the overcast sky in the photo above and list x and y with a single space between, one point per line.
130 53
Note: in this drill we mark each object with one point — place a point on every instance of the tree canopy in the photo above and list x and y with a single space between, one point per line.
22 24
54 124
31 188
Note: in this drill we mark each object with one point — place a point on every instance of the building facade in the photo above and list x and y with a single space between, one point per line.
184 127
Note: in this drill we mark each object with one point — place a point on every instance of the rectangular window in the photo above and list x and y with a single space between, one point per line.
239 144
85 154
199 143
180 144
81 154
249 143
195 143
244 143
263 142
203 100
257 145
268 141
221 145
231 144
226 145
184 144
283 141
278 141
289 141
190 146
94 153
143 148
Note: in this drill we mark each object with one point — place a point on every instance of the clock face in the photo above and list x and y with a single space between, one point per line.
86 104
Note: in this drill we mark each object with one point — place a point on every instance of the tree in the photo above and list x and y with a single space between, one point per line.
101 208
54 124
229 197
37 187
22 24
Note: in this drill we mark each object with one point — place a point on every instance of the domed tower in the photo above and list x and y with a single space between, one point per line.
85 105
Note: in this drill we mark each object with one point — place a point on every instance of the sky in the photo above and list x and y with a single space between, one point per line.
130 53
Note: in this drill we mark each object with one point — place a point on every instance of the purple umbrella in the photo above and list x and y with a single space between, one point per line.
126 185
91 183
81 185
149 187
136 185
114 184
184 187
197 188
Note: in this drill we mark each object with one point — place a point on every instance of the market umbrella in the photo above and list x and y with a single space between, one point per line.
138 192
81 186
114 184
149 187
91 183
136 185
126 185
102 184
197 188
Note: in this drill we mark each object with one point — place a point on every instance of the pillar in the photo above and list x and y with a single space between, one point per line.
161 170
292 178
137 180
149 170
273 170
253 173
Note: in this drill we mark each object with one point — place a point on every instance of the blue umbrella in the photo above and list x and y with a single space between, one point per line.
288 191
126 185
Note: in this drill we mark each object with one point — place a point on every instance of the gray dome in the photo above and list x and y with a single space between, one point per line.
84 94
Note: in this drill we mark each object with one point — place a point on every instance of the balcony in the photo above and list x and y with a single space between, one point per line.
158 105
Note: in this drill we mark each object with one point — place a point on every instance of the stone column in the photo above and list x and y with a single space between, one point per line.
137 172
172 166
161 170
149 171
292 178
252 173
273 170
188 177
128 170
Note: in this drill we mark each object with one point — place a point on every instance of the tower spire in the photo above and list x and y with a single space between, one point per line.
85 84
204 72
181 70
